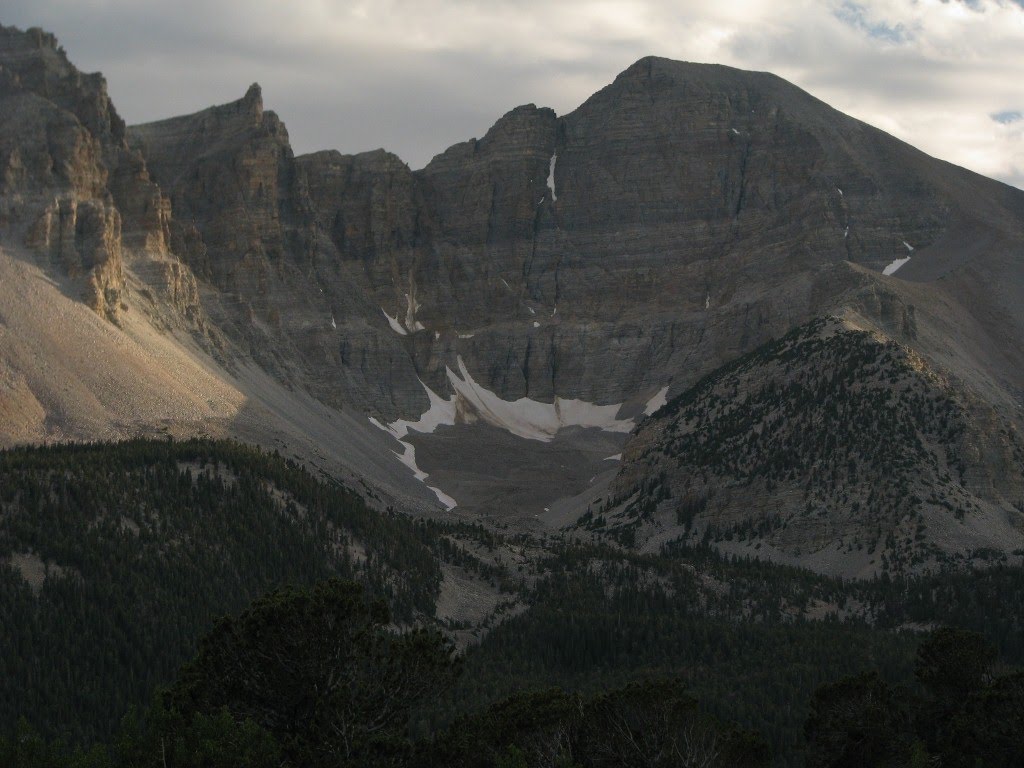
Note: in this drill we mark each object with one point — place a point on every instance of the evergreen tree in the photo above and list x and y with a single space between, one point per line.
321 671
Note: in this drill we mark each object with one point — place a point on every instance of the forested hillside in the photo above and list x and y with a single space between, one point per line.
834 447
114 559
752 640
317 678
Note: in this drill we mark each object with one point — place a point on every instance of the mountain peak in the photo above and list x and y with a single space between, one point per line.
715 76
254 98
31 38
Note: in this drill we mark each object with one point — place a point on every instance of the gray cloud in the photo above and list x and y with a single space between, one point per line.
856 15
1008 116
416 77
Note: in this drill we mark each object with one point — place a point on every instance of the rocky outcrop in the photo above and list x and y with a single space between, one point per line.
243 221
83 238
230 174
71 187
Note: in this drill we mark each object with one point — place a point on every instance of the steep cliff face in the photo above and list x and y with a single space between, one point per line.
83 237
727 161
230 173
71 188
373 230
245 222
681 216
594 256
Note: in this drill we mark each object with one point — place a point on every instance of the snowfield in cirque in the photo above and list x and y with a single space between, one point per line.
472 403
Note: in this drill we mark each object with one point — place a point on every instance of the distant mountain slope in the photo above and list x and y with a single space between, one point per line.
84 227
833 447
680 217
556 268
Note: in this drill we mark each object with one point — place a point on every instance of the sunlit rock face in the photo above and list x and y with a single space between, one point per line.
72 189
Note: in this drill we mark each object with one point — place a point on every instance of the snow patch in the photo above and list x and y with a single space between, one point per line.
551 176
395 325
528 418
531 310
615 457
735 131
846 232
536 324
408 457
910 248
839 191
448 502
466 335
656 402
439 412
707 301
334 323
895 265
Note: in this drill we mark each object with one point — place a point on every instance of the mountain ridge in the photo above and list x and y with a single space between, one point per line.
681 217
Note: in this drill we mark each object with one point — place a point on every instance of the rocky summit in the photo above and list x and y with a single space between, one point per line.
542 327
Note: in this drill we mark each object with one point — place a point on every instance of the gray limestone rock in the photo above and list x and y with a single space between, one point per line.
71 188
681 217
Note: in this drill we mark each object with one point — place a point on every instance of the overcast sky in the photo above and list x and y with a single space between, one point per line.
416 76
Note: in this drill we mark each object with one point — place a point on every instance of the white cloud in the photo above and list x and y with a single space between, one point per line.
417 76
